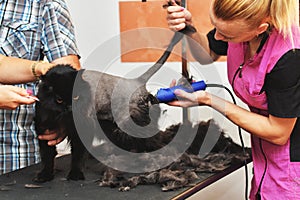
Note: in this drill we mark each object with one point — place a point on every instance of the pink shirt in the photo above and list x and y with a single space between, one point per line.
274 174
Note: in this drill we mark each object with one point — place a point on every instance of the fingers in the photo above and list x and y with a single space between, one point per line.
11 97
176 17
176 24
26 100
43 68
25 97
48 135
185 99
173 83
52 137
175 12
55 142
183 95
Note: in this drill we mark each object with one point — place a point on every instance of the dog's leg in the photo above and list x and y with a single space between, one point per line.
48 154
79 155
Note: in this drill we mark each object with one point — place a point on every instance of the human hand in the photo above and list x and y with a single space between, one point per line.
186 99
53 137
11 97
177 17
43 67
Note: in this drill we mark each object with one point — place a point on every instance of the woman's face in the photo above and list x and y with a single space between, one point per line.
232 31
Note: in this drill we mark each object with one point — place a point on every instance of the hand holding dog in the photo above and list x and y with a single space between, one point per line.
52 137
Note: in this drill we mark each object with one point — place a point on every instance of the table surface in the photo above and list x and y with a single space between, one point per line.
13 185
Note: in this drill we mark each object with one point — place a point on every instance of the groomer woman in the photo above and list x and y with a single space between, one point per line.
262 42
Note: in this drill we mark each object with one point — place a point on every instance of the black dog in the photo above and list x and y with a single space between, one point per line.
54 110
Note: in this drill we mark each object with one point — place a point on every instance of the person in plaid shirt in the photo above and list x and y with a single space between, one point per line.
33 30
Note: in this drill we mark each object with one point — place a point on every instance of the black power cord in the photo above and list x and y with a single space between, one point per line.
239 131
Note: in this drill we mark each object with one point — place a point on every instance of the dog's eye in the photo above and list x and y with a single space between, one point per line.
59 100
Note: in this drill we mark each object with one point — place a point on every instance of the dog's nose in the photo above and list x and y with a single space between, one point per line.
152 100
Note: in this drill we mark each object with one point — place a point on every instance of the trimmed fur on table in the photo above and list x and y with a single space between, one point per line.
184 171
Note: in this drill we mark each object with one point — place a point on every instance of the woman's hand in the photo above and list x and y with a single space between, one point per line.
178 17
11 97
186 99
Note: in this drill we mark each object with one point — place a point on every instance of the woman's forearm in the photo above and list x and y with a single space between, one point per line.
273 129
199 47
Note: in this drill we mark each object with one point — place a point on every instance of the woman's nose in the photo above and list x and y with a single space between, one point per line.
218 36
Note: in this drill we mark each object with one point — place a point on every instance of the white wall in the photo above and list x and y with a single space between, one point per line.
97 30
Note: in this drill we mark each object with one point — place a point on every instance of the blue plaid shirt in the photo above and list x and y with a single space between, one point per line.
30 29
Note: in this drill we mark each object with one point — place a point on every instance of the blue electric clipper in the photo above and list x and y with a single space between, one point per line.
165 95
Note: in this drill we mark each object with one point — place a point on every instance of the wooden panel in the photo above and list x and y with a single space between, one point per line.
145 33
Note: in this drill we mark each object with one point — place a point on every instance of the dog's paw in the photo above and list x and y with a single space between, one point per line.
43 177
124 188
75 175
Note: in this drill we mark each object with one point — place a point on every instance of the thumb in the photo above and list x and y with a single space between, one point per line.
181 93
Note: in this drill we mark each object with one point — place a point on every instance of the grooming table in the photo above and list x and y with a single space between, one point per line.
13 185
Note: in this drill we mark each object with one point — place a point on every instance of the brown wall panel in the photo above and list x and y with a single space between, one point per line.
145 33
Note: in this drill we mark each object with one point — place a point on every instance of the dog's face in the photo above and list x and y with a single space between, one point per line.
56 87
139 106
55 95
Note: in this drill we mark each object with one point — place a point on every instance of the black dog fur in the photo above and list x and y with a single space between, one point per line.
53 112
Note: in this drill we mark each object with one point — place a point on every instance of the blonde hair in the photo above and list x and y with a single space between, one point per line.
283 15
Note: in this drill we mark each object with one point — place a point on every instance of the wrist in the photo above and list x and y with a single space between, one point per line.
207 100
34 70
39 68
189 29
